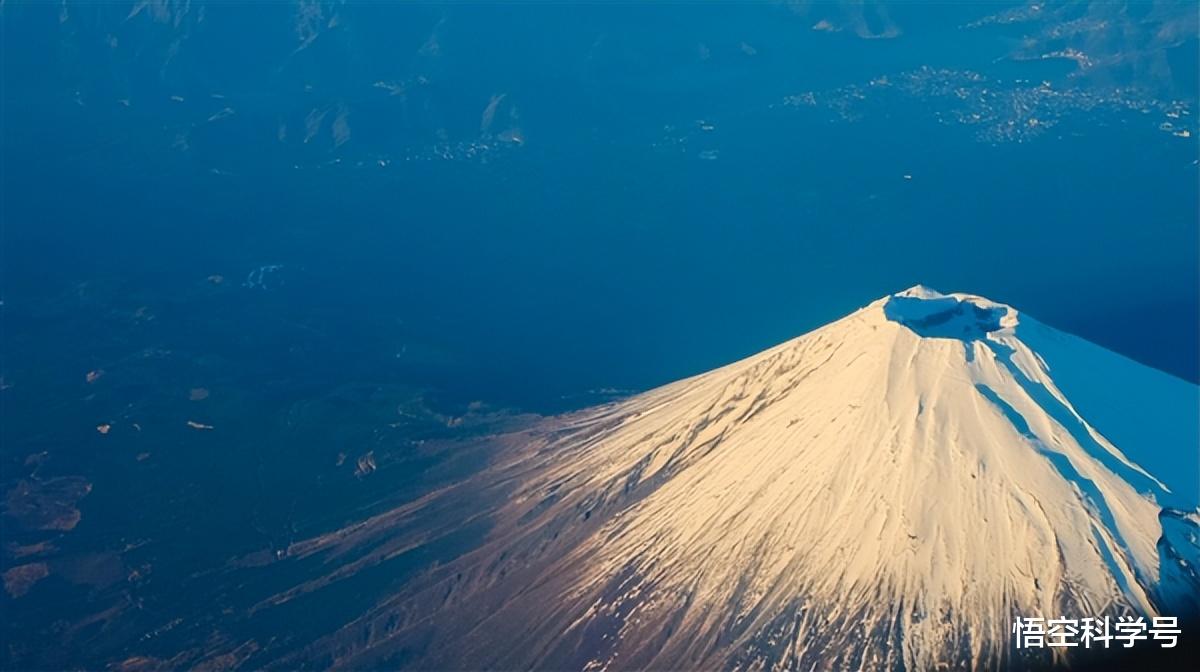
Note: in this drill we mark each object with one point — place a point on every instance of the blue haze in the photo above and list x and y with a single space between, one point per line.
651 205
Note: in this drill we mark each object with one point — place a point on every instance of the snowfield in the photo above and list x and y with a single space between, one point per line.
887 492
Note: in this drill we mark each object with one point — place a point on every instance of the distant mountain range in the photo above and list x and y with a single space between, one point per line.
311 80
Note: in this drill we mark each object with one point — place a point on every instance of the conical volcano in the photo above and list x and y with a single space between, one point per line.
889 491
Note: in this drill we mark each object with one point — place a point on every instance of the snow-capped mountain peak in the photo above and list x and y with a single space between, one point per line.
888 491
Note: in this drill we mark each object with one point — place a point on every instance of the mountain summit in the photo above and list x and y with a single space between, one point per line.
889 491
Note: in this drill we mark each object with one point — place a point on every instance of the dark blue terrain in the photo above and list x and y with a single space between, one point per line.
320 232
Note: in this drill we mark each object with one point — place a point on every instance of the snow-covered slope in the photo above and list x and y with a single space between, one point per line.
887 491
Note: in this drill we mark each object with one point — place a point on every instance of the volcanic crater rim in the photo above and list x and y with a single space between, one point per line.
932 315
